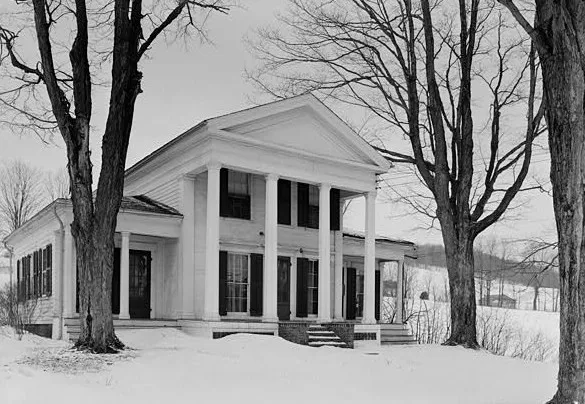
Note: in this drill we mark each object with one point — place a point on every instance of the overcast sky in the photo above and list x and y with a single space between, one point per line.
186 84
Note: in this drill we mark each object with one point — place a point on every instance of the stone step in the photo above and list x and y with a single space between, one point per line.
327 343
324 337
321 333
398 340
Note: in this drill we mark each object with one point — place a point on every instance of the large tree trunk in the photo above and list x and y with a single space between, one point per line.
535 299
460 265
95 263
563 64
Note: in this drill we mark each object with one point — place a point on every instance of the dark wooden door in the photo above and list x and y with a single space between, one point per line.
139 284
350 293
284 288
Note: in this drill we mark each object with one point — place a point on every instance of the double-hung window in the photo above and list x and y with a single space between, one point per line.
313 207
313 288
235 194
238 276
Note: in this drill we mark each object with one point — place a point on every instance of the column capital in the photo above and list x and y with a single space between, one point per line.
272 177
371 194
125 233
324 186
213 165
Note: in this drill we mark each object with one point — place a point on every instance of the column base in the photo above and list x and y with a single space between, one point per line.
369 321
124 316
270 319
324 320
211 317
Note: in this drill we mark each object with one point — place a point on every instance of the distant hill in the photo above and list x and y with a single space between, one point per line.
494 266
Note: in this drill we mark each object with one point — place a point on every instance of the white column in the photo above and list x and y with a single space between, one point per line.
399 292
125 277
211 309
324 310
57 283
68 274
338 314
271 249
370 260
187 265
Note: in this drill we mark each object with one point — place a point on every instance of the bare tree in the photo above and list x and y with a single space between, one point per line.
52 89
558 34
369 53
21 194
57 184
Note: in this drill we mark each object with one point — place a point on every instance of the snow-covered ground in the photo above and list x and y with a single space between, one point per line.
169 366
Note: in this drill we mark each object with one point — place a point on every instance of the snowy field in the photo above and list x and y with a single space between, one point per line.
169 366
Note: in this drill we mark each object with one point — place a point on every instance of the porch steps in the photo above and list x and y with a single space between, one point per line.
396 334
321 336
72 329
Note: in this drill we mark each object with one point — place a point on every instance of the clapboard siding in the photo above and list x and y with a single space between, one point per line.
37 311
167 193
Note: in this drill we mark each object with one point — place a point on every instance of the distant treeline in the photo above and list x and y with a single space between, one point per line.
492 266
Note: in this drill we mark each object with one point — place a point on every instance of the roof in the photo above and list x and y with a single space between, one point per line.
361 236
143 203
233 118
135 203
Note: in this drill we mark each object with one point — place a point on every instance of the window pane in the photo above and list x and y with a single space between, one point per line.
237 283
313 195
238 183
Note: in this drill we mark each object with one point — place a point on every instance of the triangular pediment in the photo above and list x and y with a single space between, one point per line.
302 124
301 130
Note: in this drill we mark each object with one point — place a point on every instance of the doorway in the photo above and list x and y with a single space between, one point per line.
283 288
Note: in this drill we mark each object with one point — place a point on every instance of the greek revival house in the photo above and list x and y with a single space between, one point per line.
235 225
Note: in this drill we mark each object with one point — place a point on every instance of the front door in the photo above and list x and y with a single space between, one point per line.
139 293
283 288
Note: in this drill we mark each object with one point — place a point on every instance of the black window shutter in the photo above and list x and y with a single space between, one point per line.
42 271
50 269
334 209
377 297
256 283
35 273
224 204
302 204
284 202
350 295
116 282
302 292
18 286
223 263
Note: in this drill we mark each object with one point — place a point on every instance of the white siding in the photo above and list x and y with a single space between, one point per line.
167 193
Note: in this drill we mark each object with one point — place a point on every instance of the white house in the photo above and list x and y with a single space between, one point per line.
234 225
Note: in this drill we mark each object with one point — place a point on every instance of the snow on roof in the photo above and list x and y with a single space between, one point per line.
361 235
144 203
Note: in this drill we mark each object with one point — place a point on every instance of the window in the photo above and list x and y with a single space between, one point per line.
308 206
47 267
234 194
359 294
35 291
27 278
238 270
313 288
313 207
